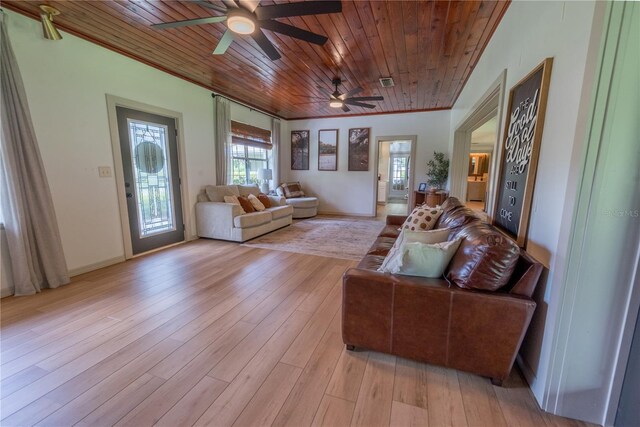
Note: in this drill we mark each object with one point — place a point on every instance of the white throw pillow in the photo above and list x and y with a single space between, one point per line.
234 201
422 218
425 260
256 203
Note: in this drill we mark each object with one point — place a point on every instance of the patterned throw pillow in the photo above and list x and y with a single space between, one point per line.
234 201
246 204
292 190
257 204
422 218
264 199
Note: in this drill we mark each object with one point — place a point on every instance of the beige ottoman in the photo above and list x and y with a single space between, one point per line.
304 207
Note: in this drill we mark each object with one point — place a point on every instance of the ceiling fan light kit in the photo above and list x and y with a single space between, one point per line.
49 30
240 23
335 103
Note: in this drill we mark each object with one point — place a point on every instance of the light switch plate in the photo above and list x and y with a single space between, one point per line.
104 171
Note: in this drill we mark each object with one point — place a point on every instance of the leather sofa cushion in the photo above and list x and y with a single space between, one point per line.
382 246
371 262
448 206
280 211
485 259
252 219
459 217
390 231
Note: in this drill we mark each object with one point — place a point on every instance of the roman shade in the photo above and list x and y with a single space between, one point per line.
242 133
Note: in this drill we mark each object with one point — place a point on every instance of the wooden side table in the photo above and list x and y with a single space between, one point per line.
431 199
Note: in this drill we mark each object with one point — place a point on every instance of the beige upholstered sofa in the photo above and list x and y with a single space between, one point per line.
225 221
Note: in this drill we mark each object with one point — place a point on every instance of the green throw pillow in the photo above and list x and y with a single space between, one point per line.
425 260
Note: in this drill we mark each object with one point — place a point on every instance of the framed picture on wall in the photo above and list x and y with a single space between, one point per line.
299 150
359 149
328 150
520 149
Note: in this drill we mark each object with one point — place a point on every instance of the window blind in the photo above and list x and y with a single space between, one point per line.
242 133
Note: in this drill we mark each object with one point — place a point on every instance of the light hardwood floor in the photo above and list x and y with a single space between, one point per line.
213 333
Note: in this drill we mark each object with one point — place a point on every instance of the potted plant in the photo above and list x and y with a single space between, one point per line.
437 171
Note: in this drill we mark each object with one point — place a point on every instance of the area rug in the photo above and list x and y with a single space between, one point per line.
330 236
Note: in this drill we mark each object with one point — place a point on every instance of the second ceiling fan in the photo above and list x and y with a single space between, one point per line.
247 17
343 100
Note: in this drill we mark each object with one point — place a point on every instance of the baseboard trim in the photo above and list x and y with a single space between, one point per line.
96 266
362 215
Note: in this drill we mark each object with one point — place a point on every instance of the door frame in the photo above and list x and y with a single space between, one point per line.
116 101
491 104
412 168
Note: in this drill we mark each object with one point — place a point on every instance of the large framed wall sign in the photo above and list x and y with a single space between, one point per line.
520 150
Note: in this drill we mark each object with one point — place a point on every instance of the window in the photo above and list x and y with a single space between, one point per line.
250 151
246 162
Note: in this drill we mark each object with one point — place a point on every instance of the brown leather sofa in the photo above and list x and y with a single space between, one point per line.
473 319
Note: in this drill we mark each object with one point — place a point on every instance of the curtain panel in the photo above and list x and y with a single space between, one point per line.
224 165
33 238
275 152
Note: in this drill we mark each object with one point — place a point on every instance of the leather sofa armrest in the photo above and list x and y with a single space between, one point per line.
213 218
278 200
396 219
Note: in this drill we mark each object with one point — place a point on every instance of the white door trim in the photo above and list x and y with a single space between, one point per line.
412 167
491 104
116 101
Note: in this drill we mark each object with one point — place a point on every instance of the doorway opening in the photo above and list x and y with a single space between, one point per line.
394 185
475 152
483 141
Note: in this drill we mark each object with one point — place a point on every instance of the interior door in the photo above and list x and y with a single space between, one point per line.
151 178
399 176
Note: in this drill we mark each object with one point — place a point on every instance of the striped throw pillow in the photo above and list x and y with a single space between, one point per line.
292 190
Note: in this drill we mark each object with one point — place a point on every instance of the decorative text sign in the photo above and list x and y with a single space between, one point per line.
522 136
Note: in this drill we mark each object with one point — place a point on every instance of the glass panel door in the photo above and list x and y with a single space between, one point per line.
152 180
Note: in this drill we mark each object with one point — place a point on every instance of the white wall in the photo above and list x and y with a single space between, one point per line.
528 33
353 193
66 82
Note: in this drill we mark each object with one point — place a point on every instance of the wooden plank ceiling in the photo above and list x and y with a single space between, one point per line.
428 47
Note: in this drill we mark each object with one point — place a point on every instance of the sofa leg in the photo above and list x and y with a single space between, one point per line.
351 347
496 382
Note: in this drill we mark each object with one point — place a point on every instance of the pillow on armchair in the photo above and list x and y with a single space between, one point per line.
291 190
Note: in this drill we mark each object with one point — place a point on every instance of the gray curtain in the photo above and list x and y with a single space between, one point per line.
33 239
275 152
224 166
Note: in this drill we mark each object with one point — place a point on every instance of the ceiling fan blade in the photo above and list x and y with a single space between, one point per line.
208 5
267 47
325 91
367 98
291 31
230 4
197 21
250 5
351 93
358 104
298 9
224 43
345 108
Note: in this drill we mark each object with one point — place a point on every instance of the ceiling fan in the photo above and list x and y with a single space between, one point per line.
247 17
342 100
